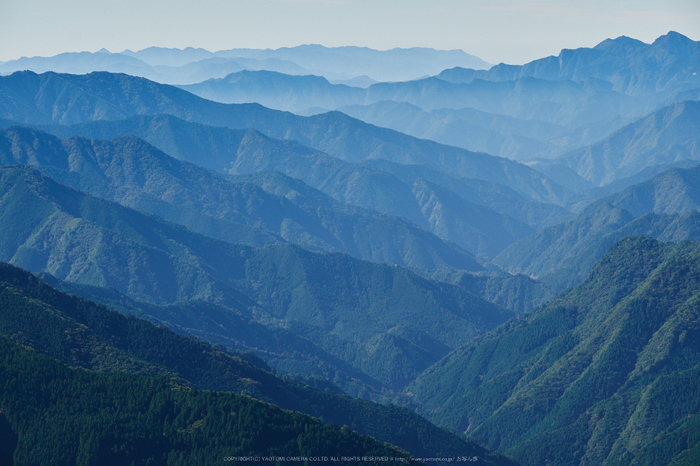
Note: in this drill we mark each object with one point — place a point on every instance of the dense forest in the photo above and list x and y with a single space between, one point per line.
243 256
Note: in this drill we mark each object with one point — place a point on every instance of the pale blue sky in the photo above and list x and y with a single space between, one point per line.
510 31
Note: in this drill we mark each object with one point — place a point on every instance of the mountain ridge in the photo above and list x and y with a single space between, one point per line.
583 378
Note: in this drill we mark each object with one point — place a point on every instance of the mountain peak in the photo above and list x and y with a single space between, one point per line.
673 41
622 41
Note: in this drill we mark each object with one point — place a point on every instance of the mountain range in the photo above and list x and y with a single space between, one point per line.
135 174
666 137
82 334
525 276
343 305
665 207
66 99
665 66
187 66
604 374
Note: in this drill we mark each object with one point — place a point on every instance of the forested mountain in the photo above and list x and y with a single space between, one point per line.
477 227
123 419
305 260
607 373
349 308
332 62
665 208
67 99
497 197
673 191
135 174
236 151
664 138
80 333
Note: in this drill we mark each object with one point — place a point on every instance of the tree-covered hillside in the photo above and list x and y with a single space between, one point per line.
135 174
664 138
80 333
60 415
484 224
665 208
347 307
608 373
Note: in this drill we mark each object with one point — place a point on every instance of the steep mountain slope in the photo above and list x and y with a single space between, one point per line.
124 419
243 152
135 174
665 208
665 137
668 65
345 306
673 191
496 197
562 102
605 374
67 99
80 333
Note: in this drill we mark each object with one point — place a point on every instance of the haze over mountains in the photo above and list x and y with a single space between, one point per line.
355 65
510 252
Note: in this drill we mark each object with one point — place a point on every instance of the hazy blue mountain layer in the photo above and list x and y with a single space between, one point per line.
560 102
135 174
501 135
666 137
467 219
669 65
608 373
220 149
188 66
349 308
186 73
66 99
277 90
497 197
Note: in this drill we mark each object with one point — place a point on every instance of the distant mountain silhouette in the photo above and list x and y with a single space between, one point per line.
67 99
670 64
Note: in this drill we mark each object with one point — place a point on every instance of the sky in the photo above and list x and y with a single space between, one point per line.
498 31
